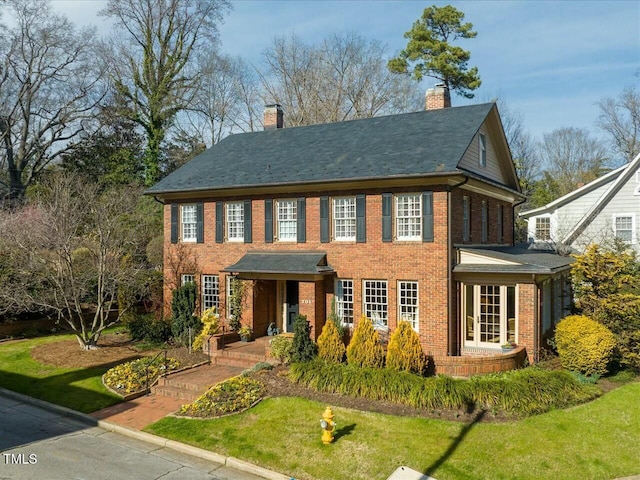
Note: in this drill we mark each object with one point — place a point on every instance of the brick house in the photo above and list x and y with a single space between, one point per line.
399 217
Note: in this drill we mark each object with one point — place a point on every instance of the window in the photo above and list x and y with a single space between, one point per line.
489 314
408 302
344 301
210 291
485 222
623 228
543 228
344 218
375 302
186 278
235 222
483 149
409 217
188 223
287 217
466 219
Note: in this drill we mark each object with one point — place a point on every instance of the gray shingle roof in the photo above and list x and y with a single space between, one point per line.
309 263
420 143
527 261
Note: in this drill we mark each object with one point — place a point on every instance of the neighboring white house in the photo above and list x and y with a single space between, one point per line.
600 211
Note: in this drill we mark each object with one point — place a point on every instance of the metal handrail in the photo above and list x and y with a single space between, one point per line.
164 372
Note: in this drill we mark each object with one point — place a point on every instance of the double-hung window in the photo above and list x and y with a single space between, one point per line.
623 227
543 228
344 218
235 221
187 278
210 291
408 302
287 220
375 302
344 301
188 223
409 217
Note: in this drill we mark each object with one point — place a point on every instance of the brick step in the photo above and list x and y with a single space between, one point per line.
176 392
236 361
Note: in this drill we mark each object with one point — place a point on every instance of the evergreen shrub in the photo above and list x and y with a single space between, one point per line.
146 327
584 345
303 349
365 349
404 352
183 307
281 348
330 346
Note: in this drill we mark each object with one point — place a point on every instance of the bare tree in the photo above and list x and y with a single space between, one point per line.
49 85
345 77
620 119
152 64
572 158
69 252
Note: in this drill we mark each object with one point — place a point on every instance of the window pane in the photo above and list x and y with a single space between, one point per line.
344 301
210 291
235 221
409 217
375 301
188 220
489 321
287 220
624 228
543 228
344 218
187 278
408 303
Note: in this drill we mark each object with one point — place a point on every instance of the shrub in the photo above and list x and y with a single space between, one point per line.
131 376
147 327
365 349
584 345
183 307
404 352
330 346
232 395
210 325
620 313
303 348
281 348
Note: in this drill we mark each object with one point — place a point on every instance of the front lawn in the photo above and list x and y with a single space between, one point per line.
597 440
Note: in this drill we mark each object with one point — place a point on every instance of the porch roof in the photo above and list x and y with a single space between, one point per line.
288 262
516 259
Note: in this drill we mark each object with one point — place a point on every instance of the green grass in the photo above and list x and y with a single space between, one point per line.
597 440
76 388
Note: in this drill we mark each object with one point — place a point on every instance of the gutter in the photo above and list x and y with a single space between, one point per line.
452 331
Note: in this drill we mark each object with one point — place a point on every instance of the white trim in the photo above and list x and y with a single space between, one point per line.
347 208
294 210
192 231
397 217
379 322
228 220
415 321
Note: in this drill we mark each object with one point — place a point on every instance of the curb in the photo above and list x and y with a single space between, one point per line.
149 438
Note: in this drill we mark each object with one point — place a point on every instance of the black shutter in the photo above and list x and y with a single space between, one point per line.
247 221
268 220
219 222
387 226
200 222
427 216
175 216
324 219
302 220
361 219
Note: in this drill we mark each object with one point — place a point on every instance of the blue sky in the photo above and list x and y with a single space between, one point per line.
549 60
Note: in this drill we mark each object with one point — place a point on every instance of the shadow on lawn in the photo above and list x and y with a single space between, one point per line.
344 431
454 445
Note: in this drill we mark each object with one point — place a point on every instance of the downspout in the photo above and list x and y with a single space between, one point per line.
452 334
158 200
537 319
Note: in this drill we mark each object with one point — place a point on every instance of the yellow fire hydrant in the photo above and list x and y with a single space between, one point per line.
327 425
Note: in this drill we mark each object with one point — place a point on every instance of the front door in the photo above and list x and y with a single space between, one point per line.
489 315
291 304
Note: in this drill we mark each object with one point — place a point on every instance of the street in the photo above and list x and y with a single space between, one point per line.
39 444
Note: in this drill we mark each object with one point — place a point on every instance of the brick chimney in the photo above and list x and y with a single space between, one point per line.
438 97
273 117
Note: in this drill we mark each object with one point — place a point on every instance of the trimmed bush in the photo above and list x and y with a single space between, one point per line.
404 352
183 307
330 346
365 349
303 349
584 345
210 325
281 348
148 328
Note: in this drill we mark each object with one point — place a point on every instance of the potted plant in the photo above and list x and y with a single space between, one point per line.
245 333
509 346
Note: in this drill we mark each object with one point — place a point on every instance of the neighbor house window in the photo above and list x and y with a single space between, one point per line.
344 218
466 219
483 149
375 302
287 217
210 291
409 217
186 278
408 302
188 223
235 221
344 301
485 222
623 227
543 228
